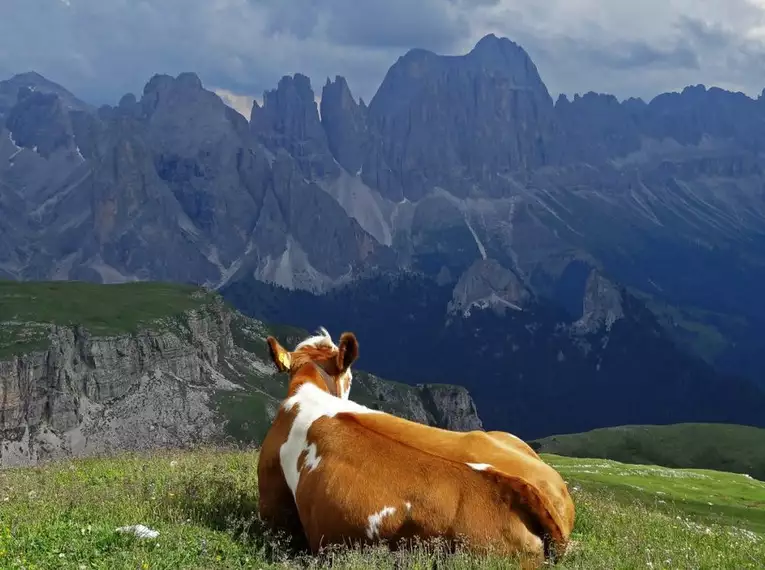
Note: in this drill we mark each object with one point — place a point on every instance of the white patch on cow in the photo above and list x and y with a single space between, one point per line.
312 457
345 381
479 466
319 340
375 520
313 403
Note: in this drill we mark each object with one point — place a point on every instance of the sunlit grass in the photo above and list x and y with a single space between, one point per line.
204 505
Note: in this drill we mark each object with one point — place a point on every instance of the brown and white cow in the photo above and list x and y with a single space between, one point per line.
344 473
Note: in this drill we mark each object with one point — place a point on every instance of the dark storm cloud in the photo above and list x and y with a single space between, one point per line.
632 54
390 24
101 49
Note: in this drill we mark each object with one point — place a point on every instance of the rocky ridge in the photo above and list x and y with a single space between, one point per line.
462 170
187 379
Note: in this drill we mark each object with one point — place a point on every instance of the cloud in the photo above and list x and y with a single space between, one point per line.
101 50
240 103
637 48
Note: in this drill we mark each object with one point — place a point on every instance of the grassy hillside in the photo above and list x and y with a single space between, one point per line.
27 309
739 449
203 504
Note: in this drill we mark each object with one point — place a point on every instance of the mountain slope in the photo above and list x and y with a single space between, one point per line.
88 369
567 219
739 449
533 372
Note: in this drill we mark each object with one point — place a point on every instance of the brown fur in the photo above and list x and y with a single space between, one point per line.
518 506
276 504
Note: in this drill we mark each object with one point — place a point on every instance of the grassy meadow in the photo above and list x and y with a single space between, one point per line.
28 309
722 447
204 505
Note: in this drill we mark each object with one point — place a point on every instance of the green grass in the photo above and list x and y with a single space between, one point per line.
28 309
723 447
204 504
690 327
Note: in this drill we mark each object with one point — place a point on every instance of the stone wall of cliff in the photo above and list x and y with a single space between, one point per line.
160 388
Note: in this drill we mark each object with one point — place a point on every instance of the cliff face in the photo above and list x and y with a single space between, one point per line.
185 380
442 405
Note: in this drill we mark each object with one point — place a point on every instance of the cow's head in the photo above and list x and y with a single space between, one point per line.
333 361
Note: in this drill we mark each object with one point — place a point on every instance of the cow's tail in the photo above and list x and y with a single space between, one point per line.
539 506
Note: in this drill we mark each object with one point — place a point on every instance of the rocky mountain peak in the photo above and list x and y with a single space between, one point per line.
183 116
505 57
289 119
488 285
595 126
602 305
33 81
345 124
40 122
426 101
164 89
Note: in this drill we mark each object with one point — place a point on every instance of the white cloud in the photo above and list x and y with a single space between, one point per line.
240 103
637 48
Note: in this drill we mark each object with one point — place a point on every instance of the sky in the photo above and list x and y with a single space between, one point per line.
102 49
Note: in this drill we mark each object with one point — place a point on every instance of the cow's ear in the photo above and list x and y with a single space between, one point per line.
279 354
348 351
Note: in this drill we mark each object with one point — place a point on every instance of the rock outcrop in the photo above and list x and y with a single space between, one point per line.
443 405
345 123
488 285
457 160
289 120
602 305
169 385
463 122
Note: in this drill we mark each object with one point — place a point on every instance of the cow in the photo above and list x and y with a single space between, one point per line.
344 473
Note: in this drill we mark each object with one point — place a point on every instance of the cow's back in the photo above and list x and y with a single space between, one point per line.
366 486
502 451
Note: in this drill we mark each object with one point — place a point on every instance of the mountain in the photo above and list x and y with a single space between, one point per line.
606 255
90 369
738 449
33 81
534 372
